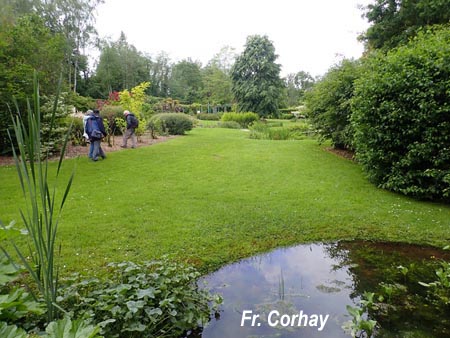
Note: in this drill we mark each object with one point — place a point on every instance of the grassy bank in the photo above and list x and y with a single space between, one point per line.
215 196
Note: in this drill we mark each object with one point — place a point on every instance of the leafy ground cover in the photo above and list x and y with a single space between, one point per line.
215 196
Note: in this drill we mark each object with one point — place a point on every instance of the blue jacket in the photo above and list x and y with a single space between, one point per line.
95 123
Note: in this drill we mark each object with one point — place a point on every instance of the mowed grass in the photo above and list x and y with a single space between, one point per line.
214 196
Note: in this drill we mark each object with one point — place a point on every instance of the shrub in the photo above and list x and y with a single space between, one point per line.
263 131
209 116
276 131
111 113
401 117
287 116
329 104
171 123
229 125
244 119
77 130
155 299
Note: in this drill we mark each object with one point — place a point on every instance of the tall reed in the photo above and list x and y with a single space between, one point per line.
43 207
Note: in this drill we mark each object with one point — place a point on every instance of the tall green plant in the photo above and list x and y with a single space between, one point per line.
43 207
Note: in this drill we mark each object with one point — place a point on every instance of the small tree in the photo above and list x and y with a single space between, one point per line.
134 100
256 82
329 104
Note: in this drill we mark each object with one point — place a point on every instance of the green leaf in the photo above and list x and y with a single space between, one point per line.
11 331
150 293
66 328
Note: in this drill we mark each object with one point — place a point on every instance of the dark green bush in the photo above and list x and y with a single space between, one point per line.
171 123
77 130
244 119
328 104
402 117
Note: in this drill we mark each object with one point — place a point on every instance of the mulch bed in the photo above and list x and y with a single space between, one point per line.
349 155
75 151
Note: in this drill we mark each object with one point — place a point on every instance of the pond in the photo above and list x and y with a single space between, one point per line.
303 291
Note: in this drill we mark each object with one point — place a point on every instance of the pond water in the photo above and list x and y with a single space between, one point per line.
303 291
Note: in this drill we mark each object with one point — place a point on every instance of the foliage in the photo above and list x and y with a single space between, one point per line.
171 123
43 206
81 103
134 100
25 46
168 105
159 75
296 86
401 111
359 326
244 119
439 289
255 77
114 115
68 328
186 81
11 331
229 125
266 131
217 85
395 22
328 104
54 129
120 66
16 305
209 116
153 299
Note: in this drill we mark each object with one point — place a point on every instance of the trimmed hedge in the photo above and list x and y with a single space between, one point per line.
401 115
244 119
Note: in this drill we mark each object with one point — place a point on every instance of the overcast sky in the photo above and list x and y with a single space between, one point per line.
308 35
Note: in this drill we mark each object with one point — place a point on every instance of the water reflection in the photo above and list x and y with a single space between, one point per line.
300 291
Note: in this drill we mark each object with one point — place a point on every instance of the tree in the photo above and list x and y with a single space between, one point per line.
255 77
217 86
328 104
394 22
121 66
26 45
159 75
296 86
75 20
186 81
224 60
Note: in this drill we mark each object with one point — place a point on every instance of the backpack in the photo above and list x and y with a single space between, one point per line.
92 128
134 122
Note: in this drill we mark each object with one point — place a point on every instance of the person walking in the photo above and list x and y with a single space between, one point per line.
86 117
132 124
96 131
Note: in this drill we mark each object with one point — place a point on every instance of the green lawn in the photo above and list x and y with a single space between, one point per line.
215 196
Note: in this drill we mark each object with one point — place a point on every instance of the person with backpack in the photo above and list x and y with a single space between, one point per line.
96 131
132 124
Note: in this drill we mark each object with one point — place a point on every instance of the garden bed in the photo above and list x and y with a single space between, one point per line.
79 150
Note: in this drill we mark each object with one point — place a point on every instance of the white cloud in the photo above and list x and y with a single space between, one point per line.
307 35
